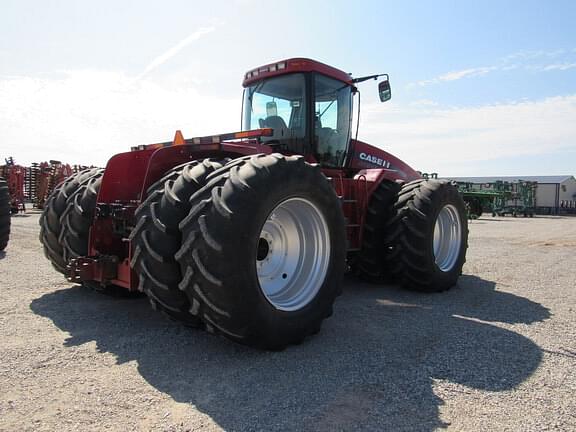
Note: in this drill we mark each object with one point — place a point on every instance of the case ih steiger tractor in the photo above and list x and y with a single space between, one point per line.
248 234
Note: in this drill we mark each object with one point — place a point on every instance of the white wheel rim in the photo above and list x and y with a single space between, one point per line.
447 238
293 254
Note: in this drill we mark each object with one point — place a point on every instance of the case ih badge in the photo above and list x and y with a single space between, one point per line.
374 159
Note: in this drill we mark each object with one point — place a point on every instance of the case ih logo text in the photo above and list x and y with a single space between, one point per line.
374 160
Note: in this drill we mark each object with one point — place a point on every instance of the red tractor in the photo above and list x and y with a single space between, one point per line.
249 234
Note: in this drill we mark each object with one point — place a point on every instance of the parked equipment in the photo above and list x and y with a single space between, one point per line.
478 199
14 175
516 198
43 178
249 233
35 183
4 214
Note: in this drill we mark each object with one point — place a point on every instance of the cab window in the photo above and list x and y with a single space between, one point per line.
332 110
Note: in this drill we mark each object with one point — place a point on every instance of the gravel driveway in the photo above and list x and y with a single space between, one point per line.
496 353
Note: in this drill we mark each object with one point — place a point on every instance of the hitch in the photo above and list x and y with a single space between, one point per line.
122 216
102 268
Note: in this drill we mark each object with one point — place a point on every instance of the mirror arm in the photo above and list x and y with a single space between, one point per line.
366 78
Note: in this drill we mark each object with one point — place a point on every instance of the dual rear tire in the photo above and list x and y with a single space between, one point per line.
421 236
67 216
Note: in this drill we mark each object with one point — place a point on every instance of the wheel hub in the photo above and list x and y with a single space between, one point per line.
293 254
447 238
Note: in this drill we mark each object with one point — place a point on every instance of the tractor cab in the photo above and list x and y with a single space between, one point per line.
307 104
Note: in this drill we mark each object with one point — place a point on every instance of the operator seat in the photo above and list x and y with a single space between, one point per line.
324 136
277 123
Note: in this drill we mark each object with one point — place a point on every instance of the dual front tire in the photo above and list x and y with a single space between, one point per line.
262 250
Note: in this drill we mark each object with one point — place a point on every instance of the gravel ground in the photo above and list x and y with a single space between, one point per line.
495 353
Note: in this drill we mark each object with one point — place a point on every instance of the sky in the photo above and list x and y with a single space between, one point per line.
478 87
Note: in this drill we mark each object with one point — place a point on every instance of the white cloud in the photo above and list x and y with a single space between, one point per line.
457 75
534 54
163 58
432 138
452 76
87 116
519 60
559 66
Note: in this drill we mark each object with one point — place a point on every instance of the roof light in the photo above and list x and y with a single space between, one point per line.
266 69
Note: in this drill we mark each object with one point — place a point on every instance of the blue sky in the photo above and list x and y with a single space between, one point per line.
479 88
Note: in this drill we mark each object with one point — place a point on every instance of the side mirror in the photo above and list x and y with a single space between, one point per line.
384 90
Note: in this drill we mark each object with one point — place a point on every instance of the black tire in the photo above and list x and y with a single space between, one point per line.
221 238
475 205
378 260
50 220
419 205
156 237
78 217
4 214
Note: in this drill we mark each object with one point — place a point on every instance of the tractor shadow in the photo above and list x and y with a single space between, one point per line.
371 367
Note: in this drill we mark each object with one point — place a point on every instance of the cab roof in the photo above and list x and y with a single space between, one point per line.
294 65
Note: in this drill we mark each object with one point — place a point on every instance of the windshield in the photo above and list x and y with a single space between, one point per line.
280 103
277 103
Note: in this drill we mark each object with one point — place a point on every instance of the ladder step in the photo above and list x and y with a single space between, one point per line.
349 201
352 225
